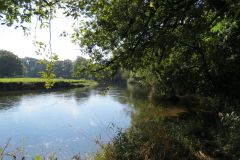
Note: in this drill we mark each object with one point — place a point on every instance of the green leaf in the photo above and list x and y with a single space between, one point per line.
152 5
147 14
216 28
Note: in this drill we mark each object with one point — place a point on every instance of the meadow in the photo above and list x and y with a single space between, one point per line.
10 84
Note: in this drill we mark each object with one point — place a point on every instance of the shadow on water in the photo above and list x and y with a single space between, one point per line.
153 133
81 94
162 129
9 101
14 98
140 97
45 117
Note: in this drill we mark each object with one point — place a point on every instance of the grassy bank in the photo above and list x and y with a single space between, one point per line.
199 136
13 84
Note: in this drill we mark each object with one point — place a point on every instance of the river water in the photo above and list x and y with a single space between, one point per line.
68 122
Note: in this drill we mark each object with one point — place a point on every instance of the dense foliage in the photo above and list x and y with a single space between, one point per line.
32 67
179 47
62 69
11 65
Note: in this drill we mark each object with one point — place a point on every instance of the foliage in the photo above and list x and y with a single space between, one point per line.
179 47
80 68
11 65
229 134
85 68
14 155
148 138
61 69
18 12
48 73
64 69
194 134
32 67
185 47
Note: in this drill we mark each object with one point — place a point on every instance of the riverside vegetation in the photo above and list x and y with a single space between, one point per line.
178 49
16 84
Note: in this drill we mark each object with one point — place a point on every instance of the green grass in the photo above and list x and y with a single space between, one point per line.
35 80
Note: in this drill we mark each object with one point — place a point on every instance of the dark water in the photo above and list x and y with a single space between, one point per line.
69 122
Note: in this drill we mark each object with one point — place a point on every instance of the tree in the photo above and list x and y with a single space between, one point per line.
11 65
64 69
17 12
80 68
177 46
68 69
32 67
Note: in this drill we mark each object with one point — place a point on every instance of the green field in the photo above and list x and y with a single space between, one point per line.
35 80
43 80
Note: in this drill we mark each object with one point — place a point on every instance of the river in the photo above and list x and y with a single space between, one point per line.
69 122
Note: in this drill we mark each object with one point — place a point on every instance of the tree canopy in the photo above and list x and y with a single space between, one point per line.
11 65
178 46
188 46
61 68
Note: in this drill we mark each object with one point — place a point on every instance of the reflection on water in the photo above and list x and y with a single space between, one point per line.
68 122
7 102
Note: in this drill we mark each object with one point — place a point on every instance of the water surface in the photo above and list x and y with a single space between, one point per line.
64 122
70 122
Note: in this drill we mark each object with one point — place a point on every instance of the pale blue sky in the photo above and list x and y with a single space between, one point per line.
14 40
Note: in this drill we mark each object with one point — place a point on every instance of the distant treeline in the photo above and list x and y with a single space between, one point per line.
62 69
13 66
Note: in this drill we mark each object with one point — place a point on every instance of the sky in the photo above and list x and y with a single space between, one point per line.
13 40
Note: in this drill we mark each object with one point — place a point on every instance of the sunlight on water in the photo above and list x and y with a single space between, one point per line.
64 122
69 122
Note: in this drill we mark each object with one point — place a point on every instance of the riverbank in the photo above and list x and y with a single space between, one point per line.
15 84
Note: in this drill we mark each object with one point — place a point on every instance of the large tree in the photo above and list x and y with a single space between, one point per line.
188 46
80 68
178 46
10 64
